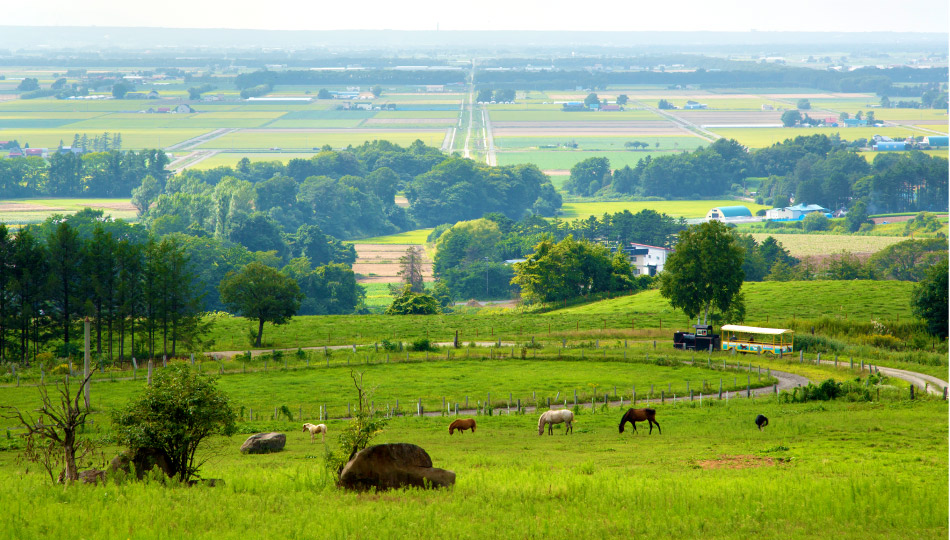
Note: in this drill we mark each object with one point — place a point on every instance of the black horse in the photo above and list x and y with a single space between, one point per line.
761 421
640 415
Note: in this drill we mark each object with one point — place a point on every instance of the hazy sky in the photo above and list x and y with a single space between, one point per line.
628 15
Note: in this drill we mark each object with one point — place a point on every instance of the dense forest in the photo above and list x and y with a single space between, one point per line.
814 169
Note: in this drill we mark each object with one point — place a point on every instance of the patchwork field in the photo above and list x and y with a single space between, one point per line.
763 137
804 245
23 211
379 263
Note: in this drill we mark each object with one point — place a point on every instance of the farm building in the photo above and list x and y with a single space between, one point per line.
646 260
726 213
694 105
573 106
854 122
611 108
890 146
939 141
791 213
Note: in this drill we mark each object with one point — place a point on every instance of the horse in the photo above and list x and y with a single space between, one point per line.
640 415
556 417
461 425
761 421
314 429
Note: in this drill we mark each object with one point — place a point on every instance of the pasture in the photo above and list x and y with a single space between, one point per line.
852 470
804 245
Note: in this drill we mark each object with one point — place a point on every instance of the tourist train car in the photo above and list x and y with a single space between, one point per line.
700 339
753 339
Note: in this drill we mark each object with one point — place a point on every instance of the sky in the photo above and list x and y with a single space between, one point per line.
609 15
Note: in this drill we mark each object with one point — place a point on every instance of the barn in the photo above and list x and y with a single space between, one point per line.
726 213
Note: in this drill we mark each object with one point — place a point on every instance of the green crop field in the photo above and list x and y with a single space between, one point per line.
557 115
132 139
565 159
23 211
316 139
377 295
417 236
802 245
230 159
944 153
763 137
686 209
602 143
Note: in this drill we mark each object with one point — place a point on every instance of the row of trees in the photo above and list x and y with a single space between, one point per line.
99 174
814 169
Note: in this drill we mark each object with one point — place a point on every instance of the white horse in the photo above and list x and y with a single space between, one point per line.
314 429
556 417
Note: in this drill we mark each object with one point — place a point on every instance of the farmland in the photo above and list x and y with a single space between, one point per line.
686 209
803 245
22 211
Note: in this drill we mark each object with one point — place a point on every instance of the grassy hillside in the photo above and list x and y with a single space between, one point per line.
773 300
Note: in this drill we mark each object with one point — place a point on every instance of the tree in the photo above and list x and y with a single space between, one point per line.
664 105
588 176
804 104
324 94
144 195
622 99
261 293
857 216
591 99
28 85
816 221
929 300
791 118
175 415
376 90
53 437
411 264
484 95
704 272
413 303
120 89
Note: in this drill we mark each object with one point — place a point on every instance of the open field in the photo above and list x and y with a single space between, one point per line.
602 143
565 159
230 159
804 245
132 139
944 153
22 211
379 263
851 470
417 237
315 138
686 209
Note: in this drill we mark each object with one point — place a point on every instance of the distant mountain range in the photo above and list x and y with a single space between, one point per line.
17 39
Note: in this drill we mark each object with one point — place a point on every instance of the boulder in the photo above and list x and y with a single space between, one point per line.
264 443
92 476
393 466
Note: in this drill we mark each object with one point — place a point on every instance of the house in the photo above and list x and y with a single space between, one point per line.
854 122
890 146
797 212
939 141
728 213
163 110
153 94
135 95
767 107
646 260
184 108
36 152
694 105
435 88
611 108
573 106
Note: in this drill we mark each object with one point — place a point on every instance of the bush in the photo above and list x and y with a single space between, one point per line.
390 346
423 344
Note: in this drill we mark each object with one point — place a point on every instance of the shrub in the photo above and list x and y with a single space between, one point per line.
422 344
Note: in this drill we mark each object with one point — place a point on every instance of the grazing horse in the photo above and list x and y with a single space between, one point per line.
761 421
640 415
556 417
314 429
462 424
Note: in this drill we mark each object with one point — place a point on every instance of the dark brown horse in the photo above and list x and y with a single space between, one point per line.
462 424
640 415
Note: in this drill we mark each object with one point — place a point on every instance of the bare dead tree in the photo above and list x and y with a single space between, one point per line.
411 272
52 436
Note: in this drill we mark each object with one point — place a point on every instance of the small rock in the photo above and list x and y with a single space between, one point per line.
264 443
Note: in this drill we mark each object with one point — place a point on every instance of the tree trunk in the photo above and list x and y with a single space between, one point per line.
260 331
72 474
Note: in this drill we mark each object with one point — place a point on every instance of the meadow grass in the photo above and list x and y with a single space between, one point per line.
687 209
848 470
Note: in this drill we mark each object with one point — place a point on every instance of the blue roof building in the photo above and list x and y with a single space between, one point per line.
723 213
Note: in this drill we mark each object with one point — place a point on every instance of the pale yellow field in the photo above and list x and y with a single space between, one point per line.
804 245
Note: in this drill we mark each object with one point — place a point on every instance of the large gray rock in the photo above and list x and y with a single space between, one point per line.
263 443
392 466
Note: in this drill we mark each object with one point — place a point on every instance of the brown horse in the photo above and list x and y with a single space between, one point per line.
462 424
640 415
